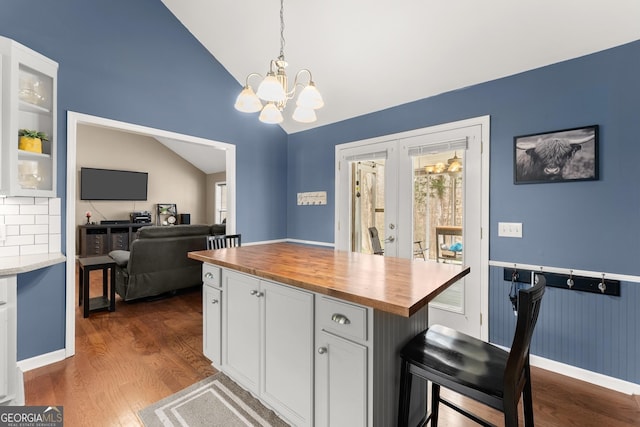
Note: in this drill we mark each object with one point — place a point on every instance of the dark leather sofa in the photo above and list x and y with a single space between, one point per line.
157 261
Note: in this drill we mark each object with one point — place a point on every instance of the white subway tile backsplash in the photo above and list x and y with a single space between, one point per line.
55 243
34 225
34 229
19 219
41 239
9 251
55 206
34 249
39 209
9 209
13 230
42 219
27 239
19 201
55 224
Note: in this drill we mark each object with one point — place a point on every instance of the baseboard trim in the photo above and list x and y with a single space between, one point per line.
42 360
311 242
595 378
304 242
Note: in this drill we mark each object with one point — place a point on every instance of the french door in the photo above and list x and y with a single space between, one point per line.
425 194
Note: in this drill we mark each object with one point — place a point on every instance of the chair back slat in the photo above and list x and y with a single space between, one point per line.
224 241
528 310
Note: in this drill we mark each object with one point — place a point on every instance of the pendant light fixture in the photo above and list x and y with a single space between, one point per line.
274 90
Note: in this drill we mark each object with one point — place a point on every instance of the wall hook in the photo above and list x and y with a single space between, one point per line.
570 279
602 286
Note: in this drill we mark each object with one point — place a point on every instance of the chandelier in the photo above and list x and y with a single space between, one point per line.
274 90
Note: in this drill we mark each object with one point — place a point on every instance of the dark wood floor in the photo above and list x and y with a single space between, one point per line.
145 351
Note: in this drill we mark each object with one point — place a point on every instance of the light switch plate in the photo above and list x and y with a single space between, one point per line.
510 229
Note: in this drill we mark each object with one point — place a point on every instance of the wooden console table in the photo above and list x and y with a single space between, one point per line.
100 239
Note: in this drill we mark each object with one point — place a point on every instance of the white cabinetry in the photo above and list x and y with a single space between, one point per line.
212 314
342 361
11 389
267 341
29 99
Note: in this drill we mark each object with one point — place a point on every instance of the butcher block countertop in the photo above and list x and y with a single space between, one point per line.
394 285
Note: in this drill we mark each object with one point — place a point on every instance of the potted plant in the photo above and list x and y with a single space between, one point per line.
31 140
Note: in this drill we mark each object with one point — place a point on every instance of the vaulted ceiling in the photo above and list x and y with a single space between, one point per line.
368 55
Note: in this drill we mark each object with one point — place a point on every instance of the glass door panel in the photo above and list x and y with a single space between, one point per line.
367 203
438 215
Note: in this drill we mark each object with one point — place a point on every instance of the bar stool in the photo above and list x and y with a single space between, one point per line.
474 368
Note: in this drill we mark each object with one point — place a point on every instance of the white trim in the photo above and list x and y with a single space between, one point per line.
581 374
585 375
264 242
484 122
73 120
547 269
41 360
311 242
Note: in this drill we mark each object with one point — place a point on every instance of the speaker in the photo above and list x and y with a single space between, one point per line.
185 218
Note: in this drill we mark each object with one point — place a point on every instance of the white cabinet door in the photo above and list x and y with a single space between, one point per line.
287 366
241 331
341 382
212 328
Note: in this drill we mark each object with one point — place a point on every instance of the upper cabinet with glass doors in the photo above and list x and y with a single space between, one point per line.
28 126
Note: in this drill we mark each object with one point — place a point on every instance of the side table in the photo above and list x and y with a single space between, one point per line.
108 299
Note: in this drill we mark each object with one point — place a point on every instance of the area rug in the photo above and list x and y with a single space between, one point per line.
213 402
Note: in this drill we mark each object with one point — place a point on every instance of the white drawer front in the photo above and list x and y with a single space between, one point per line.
211 275
343 319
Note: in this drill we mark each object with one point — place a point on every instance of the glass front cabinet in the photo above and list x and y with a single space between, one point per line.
28 126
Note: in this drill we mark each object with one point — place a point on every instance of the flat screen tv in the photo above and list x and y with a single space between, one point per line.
108 184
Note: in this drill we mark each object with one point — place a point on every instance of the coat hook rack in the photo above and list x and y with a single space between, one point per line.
602 285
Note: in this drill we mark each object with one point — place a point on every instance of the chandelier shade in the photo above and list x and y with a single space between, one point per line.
274 89
247 101
271 114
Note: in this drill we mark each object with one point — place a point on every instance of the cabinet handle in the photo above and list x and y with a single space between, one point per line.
322 350
208 275
340 318
256 293
214 301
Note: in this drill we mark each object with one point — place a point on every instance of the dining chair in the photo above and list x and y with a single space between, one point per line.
474 368
224 241
375 241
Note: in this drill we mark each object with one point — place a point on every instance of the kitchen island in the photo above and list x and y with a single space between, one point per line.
315 333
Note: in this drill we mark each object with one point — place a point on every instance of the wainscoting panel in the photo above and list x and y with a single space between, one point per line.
599 333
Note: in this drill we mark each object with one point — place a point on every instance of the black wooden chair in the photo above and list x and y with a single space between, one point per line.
474 368
224 241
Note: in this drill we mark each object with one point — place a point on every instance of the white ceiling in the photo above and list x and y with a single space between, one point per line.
368 55
205 157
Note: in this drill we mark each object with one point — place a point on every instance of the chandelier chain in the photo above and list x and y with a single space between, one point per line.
282 29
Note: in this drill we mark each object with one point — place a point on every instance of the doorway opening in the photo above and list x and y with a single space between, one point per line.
74 121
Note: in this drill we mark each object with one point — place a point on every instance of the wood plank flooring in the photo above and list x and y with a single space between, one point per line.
147 350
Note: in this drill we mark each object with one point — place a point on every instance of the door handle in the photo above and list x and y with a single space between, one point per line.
390 239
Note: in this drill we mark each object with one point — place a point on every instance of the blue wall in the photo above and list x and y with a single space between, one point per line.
133 61
590 225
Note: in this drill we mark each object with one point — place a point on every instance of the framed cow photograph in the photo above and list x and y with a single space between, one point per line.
558 156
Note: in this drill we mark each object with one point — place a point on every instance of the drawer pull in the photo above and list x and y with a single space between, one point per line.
340 318
322 350
208 275
256 293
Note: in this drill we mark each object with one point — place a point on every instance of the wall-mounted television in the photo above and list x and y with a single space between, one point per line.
109 184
